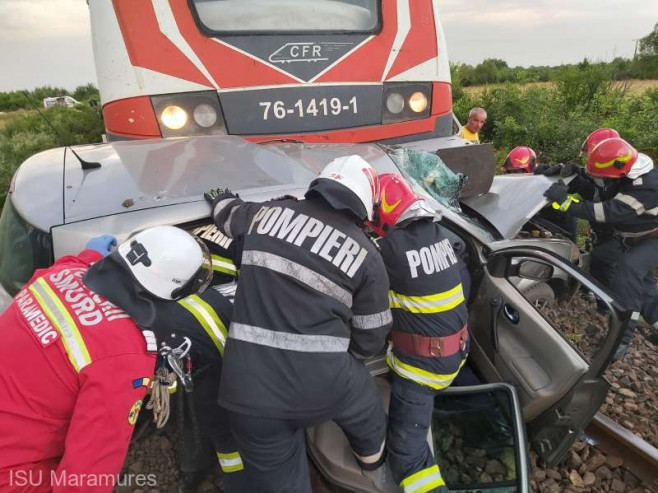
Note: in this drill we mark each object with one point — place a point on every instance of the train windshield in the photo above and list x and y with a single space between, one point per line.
288 16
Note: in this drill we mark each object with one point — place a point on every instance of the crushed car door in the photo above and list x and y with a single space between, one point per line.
558 371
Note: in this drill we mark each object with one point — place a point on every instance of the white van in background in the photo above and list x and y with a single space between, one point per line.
67 101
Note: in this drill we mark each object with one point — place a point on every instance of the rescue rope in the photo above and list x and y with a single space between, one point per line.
160 398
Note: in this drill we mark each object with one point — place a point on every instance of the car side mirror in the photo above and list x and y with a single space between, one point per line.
536 271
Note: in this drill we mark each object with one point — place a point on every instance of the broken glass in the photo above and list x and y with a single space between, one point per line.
428 172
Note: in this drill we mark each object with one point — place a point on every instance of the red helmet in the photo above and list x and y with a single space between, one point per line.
611 158
520 160
396 197
595 137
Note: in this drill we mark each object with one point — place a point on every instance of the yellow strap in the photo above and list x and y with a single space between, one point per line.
208 319
436 381
230 462
564 206
423 481
224 265
60 317
433 303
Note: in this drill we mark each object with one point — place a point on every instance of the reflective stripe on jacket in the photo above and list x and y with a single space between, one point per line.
73 368
312 289
426 297
632 212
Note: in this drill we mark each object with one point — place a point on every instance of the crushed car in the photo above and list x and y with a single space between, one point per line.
531 373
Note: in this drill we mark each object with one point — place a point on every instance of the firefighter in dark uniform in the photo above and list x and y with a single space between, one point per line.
312 298
204 319
429 336
605 247
633 213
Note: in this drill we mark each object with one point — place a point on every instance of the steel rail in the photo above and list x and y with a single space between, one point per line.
640 458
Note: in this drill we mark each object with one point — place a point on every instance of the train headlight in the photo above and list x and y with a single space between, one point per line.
404 101
205 115
189 113
174 117
418 102
395 103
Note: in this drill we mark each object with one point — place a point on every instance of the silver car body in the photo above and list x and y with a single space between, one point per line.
141 183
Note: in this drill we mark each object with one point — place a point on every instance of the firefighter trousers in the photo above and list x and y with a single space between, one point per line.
274 450
409 455
634 283
605 258
213 421
605 255
207 439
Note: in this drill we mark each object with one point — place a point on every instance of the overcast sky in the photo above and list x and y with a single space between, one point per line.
48 41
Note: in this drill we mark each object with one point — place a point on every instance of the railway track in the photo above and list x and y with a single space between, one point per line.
640 458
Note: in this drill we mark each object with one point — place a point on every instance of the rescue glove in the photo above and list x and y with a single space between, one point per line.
211 195
554 170
557 192
102 244
569 170
541 168
216 195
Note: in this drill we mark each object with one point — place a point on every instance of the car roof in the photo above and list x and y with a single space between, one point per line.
511 202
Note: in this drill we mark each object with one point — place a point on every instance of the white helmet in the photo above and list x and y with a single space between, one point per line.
168 262
354 173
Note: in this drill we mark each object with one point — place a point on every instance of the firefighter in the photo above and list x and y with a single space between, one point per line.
74 364
521 159
204 319
633 214
597 136
589 143
605 247
429 337
311 300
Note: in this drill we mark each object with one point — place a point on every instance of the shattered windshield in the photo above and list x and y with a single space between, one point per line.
429 172
431 178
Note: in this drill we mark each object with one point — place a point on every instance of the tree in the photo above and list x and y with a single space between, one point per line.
646 63
649 44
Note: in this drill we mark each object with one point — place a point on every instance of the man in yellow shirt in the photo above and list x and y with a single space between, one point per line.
476 119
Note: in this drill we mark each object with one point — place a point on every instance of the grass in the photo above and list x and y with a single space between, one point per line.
6 117
635 86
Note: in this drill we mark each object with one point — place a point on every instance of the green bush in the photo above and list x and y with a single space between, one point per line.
554 121
28 134
86 93
28 100
493 70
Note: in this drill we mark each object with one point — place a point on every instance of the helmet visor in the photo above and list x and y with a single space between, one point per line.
202 277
